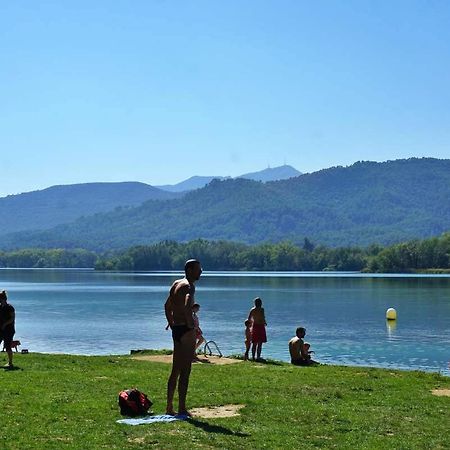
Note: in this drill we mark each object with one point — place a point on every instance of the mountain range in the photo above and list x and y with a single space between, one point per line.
364 203
44 209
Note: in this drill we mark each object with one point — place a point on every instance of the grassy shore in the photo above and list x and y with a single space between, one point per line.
61 401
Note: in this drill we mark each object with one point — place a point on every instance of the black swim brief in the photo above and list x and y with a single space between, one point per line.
178 331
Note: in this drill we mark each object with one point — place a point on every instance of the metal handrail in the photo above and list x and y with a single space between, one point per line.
207 348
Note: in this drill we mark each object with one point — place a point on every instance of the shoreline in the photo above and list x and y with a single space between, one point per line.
138 353
244 272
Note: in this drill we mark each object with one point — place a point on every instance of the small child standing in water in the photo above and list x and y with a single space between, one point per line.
258 319
198 331
248 338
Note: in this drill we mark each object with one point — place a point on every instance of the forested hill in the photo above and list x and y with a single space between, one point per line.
365 203
62 204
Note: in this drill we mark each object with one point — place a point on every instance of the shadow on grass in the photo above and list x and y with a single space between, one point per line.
269 362
151 352
210 428
8 369
201 361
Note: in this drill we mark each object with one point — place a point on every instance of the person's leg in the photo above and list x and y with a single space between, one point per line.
247 349
254 344
187 350
200 341
183 385
10 357
172 382
8 341
258 350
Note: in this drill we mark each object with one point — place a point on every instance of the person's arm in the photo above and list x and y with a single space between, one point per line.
168 309
264 316
188 302
250 314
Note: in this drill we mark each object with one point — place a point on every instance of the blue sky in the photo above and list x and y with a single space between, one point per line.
157 91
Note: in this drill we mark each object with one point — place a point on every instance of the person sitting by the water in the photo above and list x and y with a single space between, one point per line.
300 350
258 319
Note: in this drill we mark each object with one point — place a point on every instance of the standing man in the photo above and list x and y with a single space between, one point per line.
179 314
7 319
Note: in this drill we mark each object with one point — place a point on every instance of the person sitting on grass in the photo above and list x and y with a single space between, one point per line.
300 350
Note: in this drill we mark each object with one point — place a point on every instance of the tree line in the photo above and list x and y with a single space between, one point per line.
417 255
411 256
44 258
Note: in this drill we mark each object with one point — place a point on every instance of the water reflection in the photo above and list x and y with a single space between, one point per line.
391 326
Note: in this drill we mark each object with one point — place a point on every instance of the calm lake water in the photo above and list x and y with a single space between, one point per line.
88 312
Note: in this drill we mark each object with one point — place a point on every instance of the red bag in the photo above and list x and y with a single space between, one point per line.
134 403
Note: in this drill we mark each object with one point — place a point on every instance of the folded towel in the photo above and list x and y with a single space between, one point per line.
153 419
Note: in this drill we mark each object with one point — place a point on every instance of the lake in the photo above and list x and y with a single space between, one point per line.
97 313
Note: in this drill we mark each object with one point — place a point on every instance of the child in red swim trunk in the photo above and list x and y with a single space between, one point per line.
258 319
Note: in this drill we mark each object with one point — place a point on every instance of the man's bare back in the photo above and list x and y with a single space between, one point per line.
295 347
180 302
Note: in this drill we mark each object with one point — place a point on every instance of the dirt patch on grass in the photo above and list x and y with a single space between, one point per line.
441 392
216 412
215 360
138 440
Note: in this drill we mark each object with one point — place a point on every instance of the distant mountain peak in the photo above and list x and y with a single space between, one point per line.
270 174
194 182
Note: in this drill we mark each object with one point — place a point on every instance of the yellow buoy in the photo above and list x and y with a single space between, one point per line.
391 314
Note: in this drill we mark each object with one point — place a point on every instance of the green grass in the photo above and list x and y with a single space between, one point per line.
61 401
